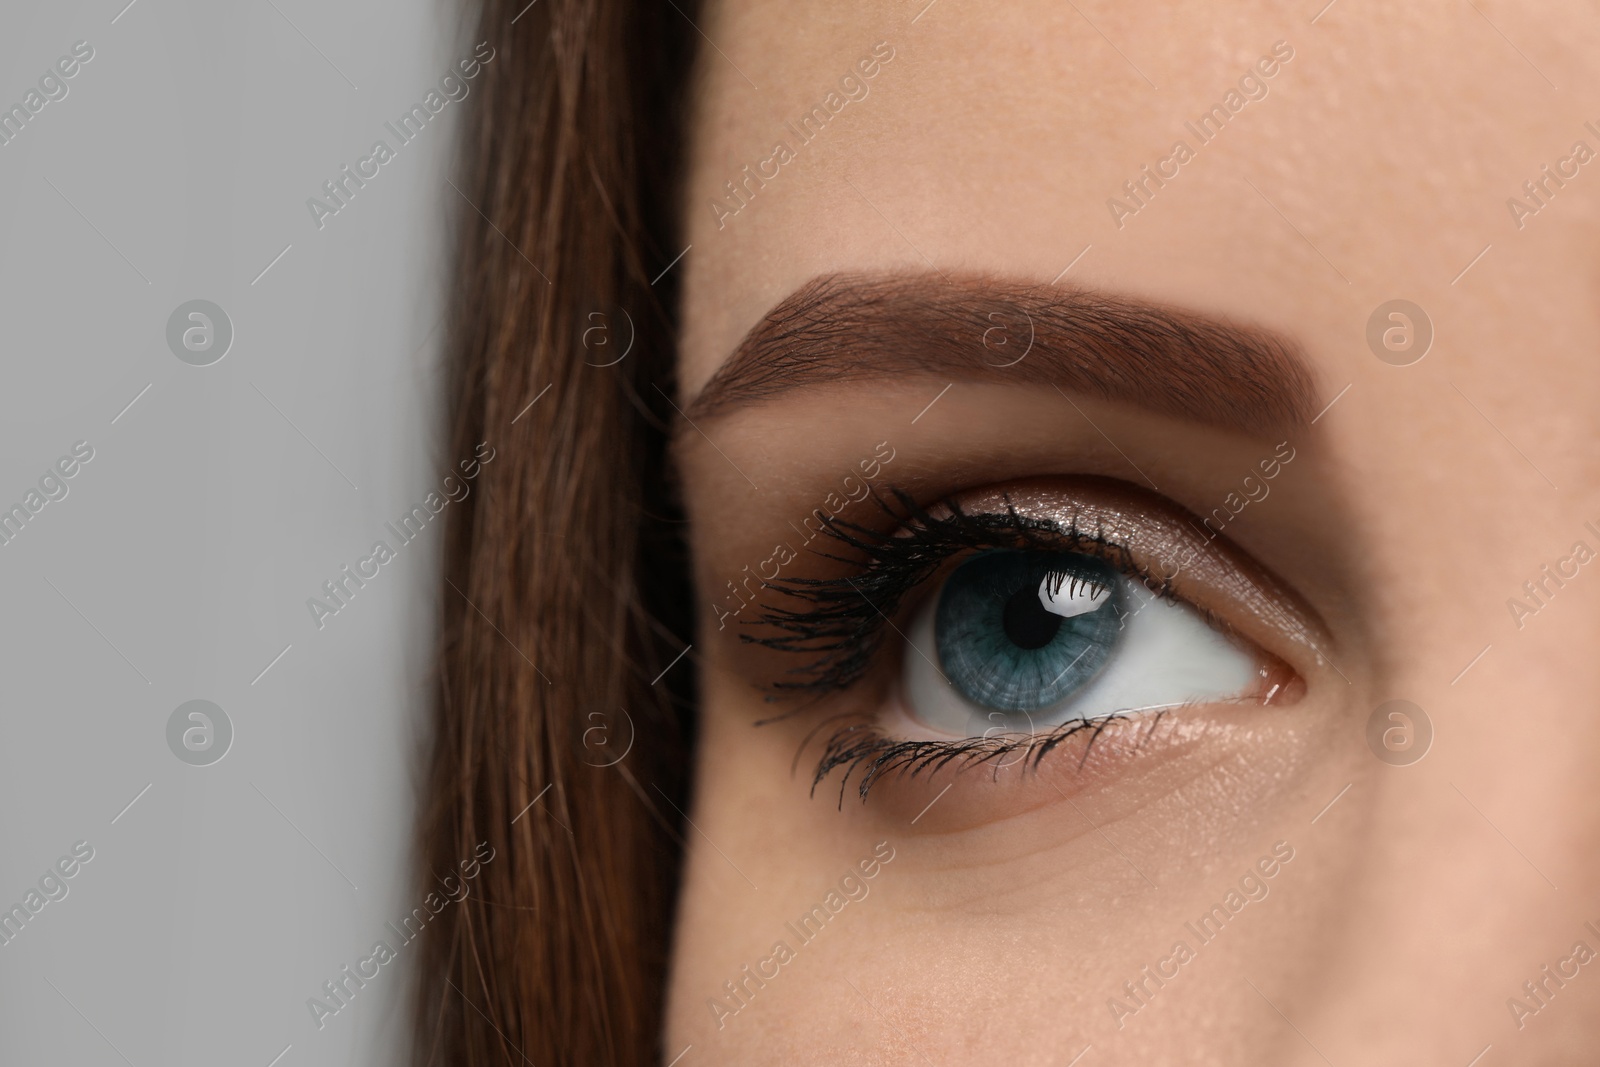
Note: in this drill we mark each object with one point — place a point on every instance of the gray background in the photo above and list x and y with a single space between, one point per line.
179 564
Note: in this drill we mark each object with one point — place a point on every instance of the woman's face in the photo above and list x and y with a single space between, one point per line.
1188 501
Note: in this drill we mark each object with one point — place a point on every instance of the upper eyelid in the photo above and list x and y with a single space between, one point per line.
1272 612
1216 563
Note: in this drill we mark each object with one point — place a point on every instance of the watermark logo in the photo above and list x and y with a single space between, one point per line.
852 887
1008 339
1399 733
855 490
1252 888
1541 189
1537 993
607 336
52 486
1252 86
52 886
1551 580
52 87
338 992
607 738
854 86
199 733
199 332
1399 332
341 190
340 591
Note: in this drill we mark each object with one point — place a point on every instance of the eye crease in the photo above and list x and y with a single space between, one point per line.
1019 618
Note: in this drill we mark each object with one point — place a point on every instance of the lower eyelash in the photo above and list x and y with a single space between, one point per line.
862 746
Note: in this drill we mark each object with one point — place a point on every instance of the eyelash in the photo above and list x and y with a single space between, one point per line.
878 756
843 628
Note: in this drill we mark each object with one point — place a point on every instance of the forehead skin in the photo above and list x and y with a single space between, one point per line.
1377 167
994 138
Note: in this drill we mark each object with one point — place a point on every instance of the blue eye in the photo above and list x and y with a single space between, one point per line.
1020 631
1020 640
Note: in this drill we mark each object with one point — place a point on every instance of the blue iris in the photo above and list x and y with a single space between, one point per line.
1006 633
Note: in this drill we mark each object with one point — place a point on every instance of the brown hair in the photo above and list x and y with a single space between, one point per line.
564 594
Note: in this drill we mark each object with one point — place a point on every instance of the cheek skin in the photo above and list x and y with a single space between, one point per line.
1072 887
1141 772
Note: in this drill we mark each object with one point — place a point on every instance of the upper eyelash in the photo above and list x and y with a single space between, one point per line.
845 628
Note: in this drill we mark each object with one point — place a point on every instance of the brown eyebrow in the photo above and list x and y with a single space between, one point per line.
850 327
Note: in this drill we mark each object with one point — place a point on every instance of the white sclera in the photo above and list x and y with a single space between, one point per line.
1166 655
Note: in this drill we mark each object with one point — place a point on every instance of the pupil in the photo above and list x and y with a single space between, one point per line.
1027 623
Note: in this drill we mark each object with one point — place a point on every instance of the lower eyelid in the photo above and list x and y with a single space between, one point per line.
946 786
